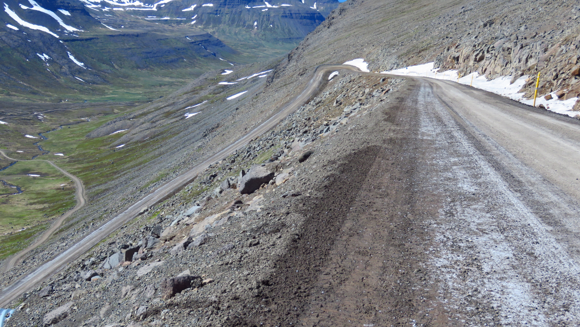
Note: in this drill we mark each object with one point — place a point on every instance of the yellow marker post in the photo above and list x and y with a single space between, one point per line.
458 77
471 80
536 92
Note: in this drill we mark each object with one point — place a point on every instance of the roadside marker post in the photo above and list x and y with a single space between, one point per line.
536 92
471 80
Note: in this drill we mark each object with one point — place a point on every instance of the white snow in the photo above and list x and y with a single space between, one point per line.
43 56
194 17
332 75
256 74
37 7
120 146
256 24
30 136
189 115
119 9
248 7
33 175
14 16
313 7
227 72
227 83
109 27
3 123
236 95
262 76
261 6
117 132
285 5
207 5
75 60
64 12
196 105
500 86
80 79
59 154
23 6
12 27
360 63
19 151
190 8
265 9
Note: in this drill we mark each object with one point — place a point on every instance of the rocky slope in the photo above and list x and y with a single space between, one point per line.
228 243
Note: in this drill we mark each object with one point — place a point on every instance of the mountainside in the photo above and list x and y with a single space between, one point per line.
83 50
217 253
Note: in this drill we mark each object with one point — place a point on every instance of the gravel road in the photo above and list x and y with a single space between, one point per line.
457 208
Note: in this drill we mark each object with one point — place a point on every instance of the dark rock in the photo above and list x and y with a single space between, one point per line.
171 286
252 181
305 156
253 243
128 254
560 94
57 315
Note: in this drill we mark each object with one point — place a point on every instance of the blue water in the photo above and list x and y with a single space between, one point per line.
5 314
18 189
341 0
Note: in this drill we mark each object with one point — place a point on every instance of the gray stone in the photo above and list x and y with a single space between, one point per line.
46 291
57 314
305 156
200 240
180 247
114 260
156 231
252 181
151 242
128 254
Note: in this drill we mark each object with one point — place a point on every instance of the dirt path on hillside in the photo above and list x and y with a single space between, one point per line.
429 221
81 201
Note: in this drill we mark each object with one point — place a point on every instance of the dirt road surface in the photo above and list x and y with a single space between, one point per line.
457 207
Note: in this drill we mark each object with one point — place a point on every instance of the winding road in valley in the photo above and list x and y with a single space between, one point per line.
80 198
459 208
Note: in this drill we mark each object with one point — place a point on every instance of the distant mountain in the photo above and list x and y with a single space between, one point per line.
90 49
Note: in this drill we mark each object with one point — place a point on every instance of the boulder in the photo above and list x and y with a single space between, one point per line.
156 231
128 254
560 94
198 241
180 247
57 314
548 97
114 260
171 286
252 181
89 275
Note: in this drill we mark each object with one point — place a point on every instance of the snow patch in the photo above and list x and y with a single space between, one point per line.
236 95
37 7
59 154
313 7
189 115
43 56
14 16
207 5
64 12
30 136
80 64
12 27
190 8
19 151
119 146
227 72
500 86
33 175
256 74
80 79
109 27
117 132
285 5
332 75
3 123
359 63
227 83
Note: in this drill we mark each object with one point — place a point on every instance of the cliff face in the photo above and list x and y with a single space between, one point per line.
540 38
